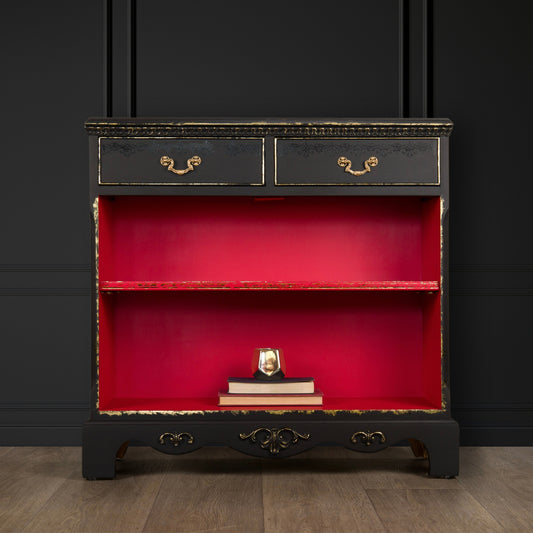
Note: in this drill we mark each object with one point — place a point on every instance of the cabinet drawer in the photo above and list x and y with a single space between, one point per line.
186 161
316 162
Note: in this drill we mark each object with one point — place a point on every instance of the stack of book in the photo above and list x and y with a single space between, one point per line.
287 391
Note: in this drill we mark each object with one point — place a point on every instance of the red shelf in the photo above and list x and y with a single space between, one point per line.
268 285
307 239
211 404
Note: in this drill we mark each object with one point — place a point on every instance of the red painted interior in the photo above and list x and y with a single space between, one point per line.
431 238
303 239
432 350
173 350
167 345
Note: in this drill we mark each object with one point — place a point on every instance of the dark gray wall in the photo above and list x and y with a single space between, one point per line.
65 61
482 79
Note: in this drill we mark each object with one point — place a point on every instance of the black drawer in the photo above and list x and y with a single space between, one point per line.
362 161
180 161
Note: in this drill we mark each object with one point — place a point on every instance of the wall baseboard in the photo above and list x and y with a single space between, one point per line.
496 436
59 424
45 424
40 435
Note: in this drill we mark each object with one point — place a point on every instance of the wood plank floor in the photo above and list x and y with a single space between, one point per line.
217 489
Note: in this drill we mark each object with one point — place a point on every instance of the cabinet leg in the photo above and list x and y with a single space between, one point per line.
99 453
98 462
443 451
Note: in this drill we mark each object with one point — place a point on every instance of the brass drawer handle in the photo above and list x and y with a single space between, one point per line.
194 161
347 165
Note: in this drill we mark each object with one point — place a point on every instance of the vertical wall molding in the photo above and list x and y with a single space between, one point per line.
132 58
120 58
402 59
415 19
107 58
427 58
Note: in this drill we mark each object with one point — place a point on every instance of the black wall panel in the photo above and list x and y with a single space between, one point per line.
483 81
483 76
52 79
65 61
238 58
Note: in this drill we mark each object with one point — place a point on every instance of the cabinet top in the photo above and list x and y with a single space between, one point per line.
307 127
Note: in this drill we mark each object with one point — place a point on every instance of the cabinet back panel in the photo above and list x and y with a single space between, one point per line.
249 239
185 345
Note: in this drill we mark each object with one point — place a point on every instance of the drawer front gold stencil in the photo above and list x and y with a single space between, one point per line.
409 161
180 161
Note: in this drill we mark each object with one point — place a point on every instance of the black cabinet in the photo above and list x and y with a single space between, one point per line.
327 239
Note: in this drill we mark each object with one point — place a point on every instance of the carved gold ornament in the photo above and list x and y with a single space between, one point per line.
175 438
168 162
367 437
275 439
347 165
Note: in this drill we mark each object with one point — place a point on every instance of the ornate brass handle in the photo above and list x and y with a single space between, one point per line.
168 162
175 438
347 165
275 439
368 437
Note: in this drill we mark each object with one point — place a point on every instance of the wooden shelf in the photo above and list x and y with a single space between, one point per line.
269 285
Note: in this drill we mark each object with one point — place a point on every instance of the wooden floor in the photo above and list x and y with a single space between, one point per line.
217 489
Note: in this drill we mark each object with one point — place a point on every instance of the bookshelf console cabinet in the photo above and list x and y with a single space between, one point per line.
326 238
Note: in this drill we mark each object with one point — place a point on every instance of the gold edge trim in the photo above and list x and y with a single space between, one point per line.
438 160
263 165
189 184
352 289
170 184
372 289
441 292
318 184
99 166
329 412
427 286
357 184
276 161
97 295
130 125
185 138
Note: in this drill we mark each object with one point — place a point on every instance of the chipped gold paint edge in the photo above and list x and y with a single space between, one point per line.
428 287
441 292
131 125
97 295
329 412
